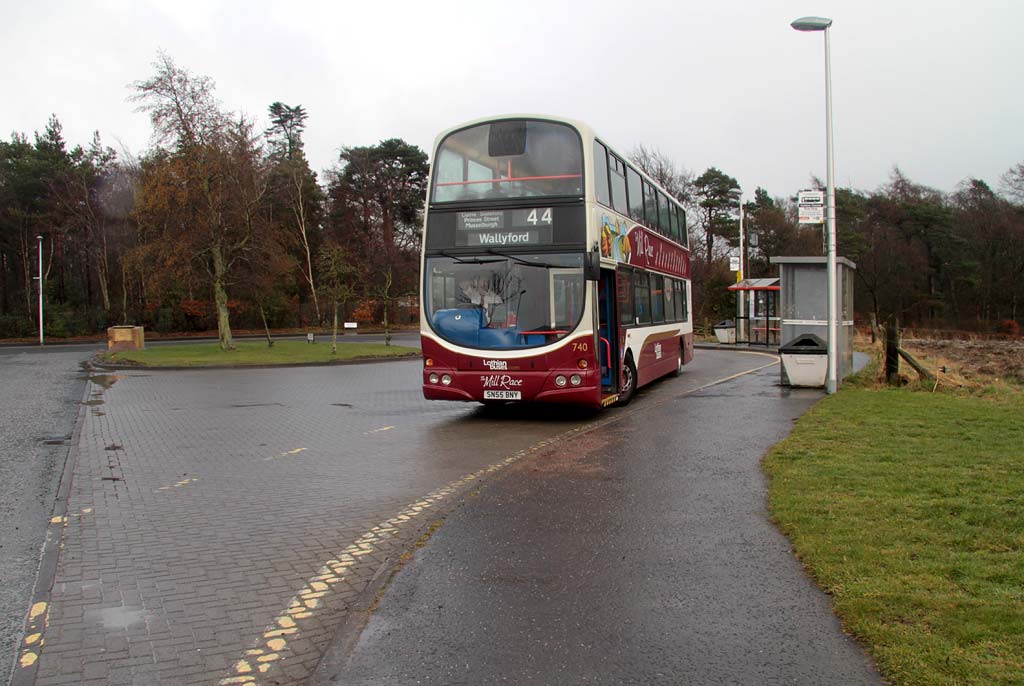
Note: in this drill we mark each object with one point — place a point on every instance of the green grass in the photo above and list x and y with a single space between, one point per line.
908 508
254 353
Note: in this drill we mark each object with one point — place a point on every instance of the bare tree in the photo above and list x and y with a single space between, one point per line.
295 183
202 196
1013 184
337 276
677 180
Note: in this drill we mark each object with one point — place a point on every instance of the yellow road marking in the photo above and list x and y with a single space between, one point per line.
35 630
294 451
178 484
69 516
37 609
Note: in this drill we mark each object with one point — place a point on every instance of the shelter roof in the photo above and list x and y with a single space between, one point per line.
756 285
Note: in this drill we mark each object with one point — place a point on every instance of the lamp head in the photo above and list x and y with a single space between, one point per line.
811 23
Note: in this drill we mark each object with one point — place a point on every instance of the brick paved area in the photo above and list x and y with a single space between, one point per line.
222 524
205 504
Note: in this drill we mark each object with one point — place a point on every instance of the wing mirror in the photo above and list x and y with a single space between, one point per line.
592 264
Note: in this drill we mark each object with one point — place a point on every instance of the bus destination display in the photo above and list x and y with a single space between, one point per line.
504 228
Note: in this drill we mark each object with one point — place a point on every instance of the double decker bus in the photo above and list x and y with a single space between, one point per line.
553 270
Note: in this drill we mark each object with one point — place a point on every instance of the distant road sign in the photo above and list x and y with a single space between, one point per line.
811 198
812 215
734 263
811 207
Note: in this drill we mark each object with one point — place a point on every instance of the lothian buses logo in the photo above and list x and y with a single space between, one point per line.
503 381
496 365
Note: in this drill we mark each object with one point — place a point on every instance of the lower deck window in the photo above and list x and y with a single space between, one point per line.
494 301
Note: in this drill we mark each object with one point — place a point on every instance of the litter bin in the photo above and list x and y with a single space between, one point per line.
725 331
805 360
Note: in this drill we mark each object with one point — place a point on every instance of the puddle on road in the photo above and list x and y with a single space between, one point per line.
105 380
117 617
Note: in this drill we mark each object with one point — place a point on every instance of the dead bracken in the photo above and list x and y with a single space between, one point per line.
977 360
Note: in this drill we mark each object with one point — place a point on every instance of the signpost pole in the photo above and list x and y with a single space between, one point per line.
40 277
741 309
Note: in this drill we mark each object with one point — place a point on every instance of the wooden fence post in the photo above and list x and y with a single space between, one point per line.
892 354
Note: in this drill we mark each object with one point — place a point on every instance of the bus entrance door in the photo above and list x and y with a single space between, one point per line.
607 329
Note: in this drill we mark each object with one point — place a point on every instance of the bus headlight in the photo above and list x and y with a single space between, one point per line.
434 378
446 380
575 380
560 381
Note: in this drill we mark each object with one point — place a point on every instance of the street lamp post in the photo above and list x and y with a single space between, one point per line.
822 24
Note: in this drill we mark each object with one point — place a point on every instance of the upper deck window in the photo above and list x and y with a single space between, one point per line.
618 178
601 174
636 196
509 159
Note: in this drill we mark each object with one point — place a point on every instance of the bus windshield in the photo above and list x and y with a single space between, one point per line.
498 301
509 159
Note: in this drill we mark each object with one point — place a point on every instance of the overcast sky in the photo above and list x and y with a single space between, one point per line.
933 86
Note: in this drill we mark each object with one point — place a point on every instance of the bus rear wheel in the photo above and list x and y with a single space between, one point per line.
679 361
628 387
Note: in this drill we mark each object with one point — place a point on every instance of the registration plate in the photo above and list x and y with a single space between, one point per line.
503 395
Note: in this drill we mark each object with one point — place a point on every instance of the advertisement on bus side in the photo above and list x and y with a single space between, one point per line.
632 244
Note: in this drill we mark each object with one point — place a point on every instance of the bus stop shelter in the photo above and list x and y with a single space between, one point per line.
757 311
803 304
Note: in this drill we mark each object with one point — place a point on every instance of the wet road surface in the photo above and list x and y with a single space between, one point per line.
37 416
221 525
643 554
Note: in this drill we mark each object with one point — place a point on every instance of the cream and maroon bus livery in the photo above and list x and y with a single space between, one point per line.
553 270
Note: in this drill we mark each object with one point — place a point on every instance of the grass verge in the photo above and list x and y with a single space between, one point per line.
908 508
253 353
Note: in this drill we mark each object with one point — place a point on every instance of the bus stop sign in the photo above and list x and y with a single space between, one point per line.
811 207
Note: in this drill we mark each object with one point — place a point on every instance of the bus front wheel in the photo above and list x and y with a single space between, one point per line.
628 386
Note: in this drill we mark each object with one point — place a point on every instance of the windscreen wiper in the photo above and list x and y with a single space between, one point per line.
543 265
460 260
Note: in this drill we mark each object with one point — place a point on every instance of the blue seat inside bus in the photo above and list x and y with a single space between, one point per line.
460 325
467 327
499 338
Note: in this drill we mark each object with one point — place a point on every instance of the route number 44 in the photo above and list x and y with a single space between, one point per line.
545 217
